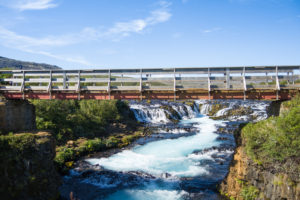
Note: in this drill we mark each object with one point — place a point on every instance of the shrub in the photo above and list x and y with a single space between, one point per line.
249 192
95 145
71 119
112 142
67 154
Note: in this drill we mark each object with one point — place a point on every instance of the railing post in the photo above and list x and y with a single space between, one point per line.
208 82
94 77
64 80
141 84
277 83
122 80
49 90
108 84
227 79
174 84
23 86
78 85
244 82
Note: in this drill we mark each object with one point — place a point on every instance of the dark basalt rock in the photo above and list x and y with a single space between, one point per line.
27 170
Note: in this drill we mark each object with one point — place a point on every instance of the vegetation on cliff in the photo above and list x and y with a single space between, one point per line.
86 126
266 164
27 168
72 119
277 139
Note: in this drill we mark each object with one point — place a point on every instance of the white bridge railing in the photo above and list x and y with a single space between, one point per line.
156 79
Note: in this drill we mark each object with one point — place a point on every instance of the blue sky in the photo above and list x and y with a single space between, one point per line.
82 34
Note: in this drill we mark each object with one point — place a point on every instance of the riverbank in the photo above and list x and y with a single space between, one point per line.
82 128
266 163
67 131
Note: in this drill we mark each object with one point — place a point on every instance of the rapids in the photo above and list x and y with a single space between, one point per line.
188 166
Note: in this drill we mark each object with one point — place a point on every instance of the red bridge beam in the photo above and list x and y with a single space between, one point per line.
164 95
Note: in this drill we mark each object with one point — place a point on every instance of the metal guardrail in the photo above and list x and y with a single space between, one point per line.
151 79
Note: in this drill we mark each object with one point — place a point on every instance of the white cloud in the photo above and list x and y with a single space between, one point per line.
211 30
29 4
37 45
72 59
123 29
12 38
36 5
34 45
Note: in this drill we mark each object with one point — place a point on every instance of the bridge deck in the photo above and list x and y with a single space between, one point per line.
165 83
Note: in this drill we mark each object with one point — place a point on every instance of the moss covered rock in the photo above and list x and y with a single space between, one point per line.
26 169
16 115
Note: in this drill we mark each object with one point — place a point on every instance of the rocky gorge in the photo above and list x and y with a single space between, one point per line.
186 157
192 150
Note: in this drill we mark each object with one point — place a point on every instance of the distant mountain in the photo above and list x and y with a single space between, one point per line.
16 64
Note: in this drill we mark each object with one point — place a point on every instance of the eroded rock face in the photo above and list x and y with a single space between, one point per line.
246 177
16 115
26 168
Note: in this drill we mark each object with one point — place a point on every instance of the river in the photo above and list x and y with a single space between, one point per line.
186 157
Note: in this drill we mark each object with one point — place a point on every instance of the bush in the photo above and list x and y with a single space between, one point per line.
112 142
249 192
71 119
95 145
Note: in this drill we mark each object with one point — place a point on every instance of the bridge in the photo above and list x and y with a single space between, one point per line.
244 82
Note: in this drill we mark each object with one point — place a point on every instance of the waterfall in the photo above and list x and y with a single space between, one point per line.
160 112
149 114
256 110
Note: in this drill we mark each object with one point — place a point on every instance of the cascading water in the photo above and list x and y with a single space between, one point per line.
188 166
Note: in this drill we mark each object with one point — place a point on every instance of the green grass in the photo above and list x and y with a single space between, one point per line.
66 155
277 138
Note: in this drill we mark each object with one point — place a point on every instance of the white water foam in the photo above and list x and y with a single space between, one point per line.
166 156
151 114
149 193
259 108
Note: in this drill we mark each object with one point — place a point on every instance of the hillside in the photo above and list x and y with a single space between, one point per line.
16 64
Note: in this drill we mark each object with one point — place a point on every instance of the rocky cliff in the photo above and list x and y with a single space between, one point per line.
16 115
26 168
248 179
